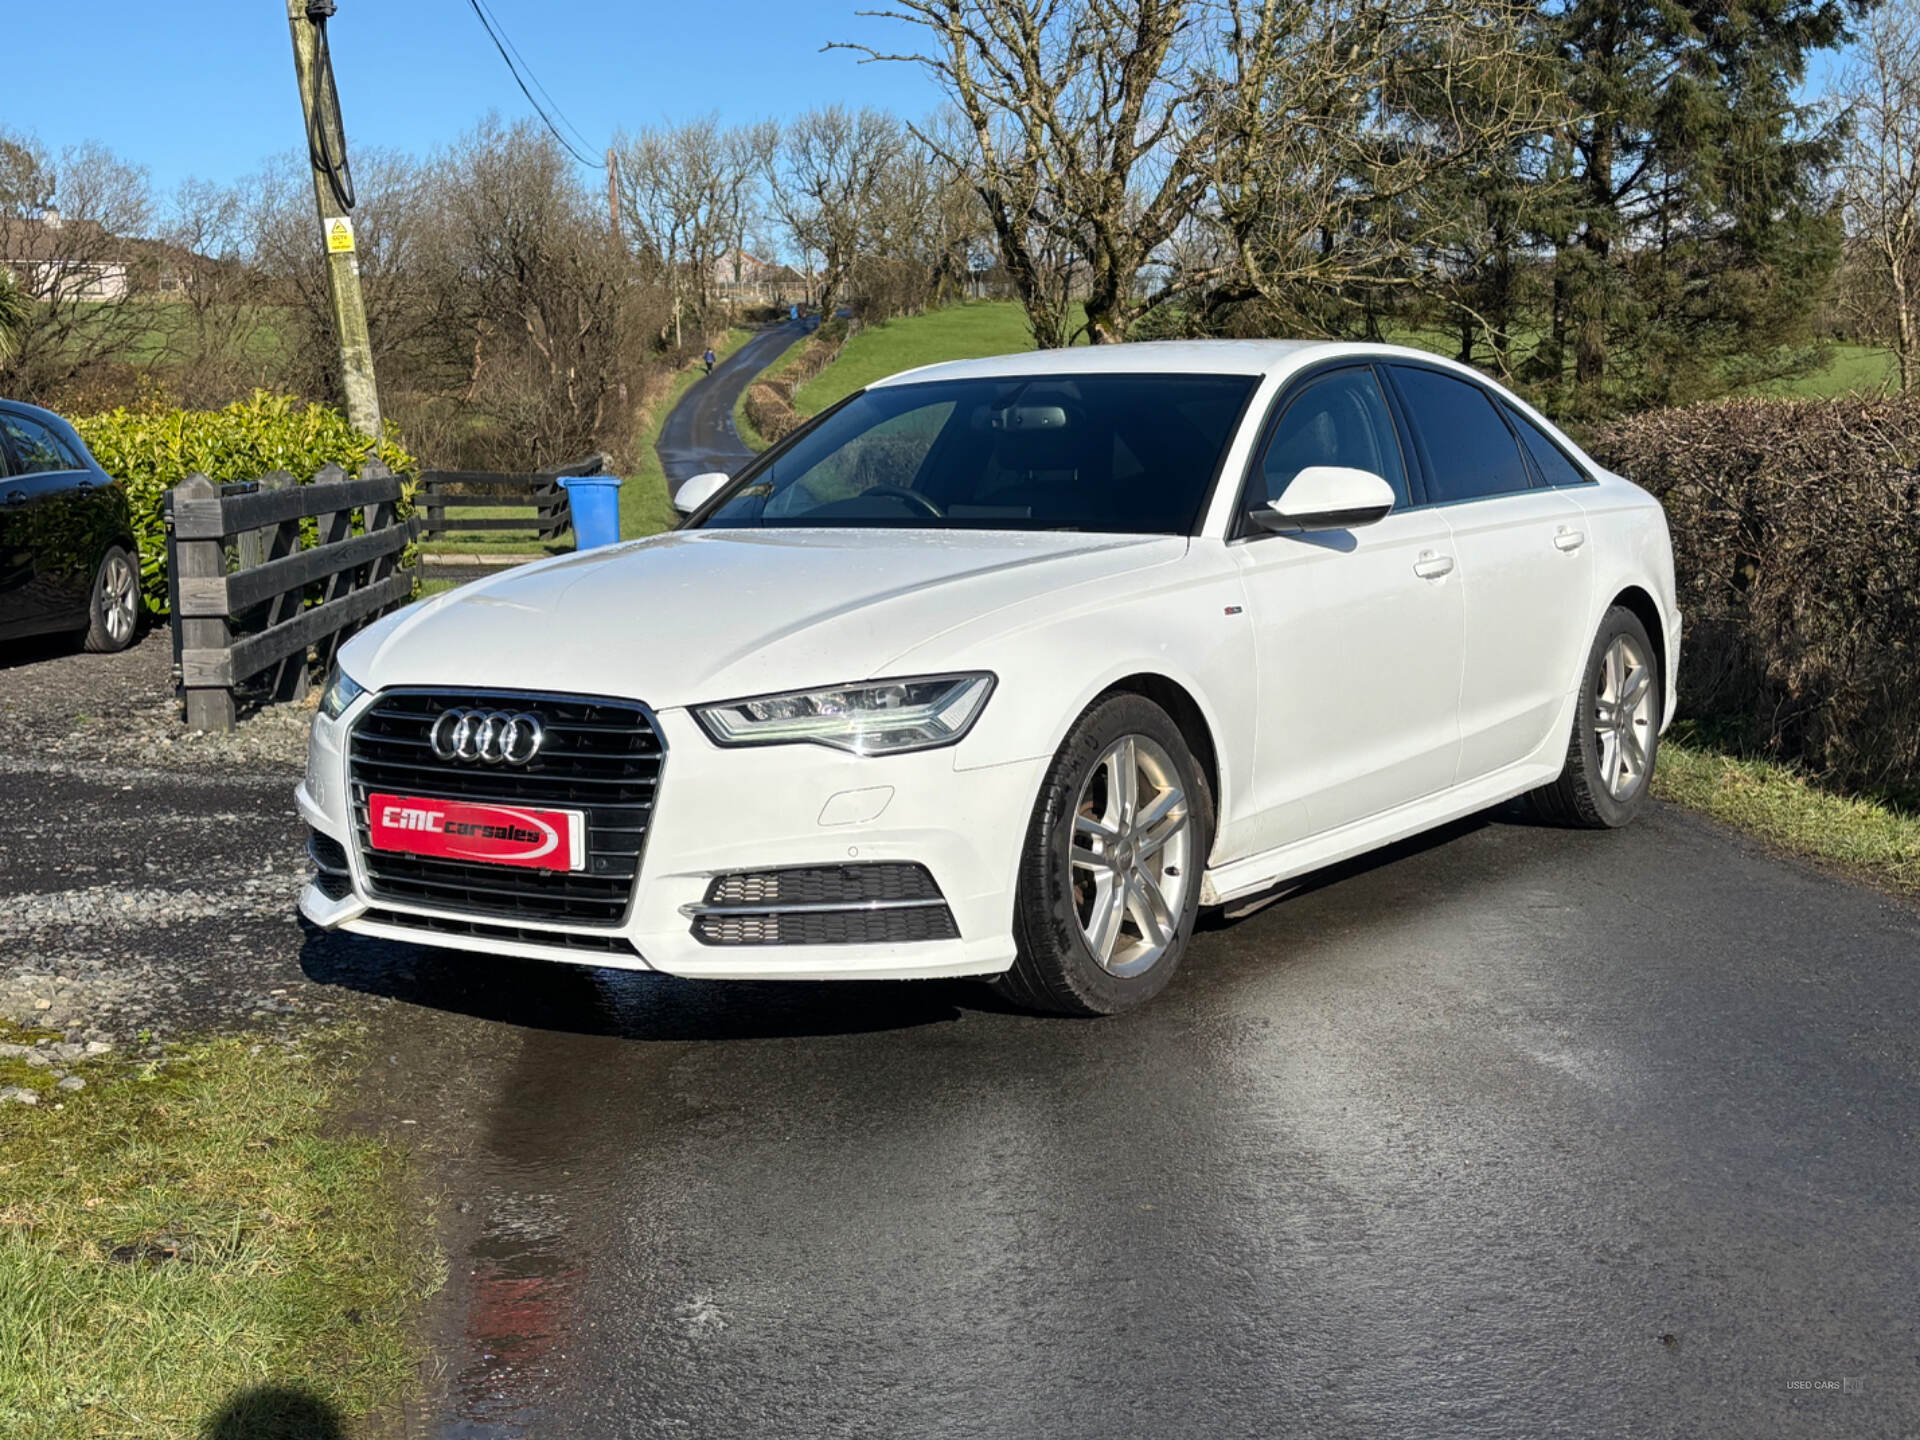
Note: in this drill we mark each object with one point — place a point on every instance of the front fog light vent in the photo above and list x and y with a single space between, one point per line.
872 904
824 885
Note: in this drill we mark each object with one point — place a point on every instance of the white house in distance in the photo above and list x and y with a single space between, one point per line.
739 277
51 256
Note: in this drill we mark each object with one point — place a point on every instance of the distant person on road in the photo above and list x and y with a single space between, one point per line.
707 360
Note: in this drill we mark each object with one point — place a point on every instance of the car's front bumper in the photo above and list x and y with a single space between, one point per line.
721 811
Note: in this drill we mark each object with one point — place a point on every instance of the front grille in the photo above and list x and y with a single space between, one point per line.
829 927
478 930
600 756
877 903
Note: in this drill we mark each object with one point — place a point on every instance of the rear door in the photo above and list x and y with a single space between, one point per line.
1526 568
1359 632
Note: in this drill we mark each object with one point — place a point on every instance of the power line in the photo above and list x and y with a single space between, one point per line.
502 45
554 105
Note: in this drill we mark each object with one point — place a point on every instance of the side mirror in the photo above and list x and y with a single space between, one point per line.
694 493
1327 497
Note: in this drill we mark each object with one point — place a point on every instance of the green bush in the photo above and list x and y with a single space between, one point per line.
150 450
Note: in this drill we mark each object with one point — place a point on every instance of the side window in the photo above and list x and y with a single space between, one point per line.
34 448
1548 458
1468 445
1338 419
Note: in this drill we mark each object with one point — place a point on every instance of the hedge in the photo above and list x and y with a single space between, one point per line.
153 449
1796 532
769 403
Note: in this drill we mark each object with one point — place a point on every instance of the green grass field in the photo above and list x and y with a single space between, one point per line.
645 506
964 332
960 332
1851 369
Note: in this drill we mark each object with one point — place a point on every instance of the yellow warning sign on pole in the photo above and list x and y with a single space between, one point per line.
339 235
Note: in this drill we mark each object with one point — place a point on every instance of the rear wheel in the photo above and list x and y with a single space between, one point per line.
1110 880
113 618
1616 732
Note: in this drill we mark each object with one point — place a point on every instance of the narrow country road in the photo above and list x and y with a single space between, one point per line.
1513 1131
699 433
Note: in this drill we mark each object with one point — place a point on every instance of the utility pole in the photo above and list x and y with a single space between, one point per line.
333 194
613 194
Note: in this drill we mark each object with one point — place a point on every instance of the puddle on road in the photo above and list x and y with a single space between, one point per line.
523 1295
591 1055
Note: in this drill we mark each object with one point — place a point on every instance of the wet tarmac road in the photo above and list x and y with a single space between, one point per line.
1515 1132
699 433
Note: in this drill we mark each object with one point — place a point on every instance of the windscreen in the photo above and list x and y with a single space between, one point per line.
1128 454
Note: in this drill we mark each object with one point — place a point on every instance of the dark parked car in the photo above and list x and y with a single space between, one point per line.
66 541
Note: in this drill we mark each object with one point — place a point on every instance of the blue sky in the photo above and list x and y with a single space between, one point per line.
205 87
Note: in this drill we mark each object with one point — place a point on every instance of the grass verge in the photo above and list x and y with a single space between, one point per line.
1777 804
188 1249
645 506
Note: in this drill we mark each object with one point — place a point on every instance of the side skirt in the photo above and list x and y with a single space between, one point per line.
1254 873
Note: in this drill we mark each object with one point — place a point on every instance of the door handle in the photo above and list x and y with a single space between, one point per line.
1431 566
1569 539
16 497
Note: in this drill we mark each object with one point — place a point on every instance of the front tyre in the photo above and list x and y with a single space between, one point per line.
1616 732
1110 876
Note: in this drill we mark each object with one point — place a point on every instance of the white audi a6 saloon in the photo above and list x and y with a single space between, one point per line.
1005 668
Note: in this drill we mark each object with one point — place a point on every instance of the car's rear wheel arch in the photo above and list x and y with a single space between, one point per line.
1647 611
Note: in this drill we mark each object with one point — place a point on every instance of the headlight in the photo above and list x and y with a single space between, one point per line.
342 691
878 717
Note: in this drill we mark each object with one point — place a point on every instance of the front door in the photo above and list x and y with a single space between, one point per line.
1359 632
53 527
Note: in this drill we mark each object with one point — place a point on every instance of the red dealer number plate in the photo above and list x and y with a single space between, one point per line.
473 830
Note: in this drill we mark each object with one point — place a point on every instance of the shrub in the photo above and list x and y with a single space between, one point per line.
1796 531
152 449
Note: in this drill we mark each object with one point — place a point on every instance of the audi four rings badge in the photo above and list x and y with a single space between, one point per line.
491 737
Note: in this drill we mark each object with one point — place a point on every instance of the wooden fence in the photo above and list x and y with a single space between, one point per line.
444 490
240 581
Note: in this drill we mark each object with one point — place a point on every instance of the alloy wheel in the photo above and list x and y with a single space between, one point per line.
1131 855
1623 721
119 592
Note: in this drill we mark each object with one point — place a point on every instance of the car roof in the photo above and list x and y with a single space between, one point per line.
1160 357
33 412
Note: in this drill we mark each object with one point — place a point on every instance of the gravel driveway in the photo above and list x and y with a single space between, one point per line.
148 875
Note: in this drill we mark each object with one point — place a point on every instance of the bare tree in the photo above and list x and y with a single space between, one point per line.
1081 117
390 221
215 331
67 229
519 265
688 194
1880 169
825 185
